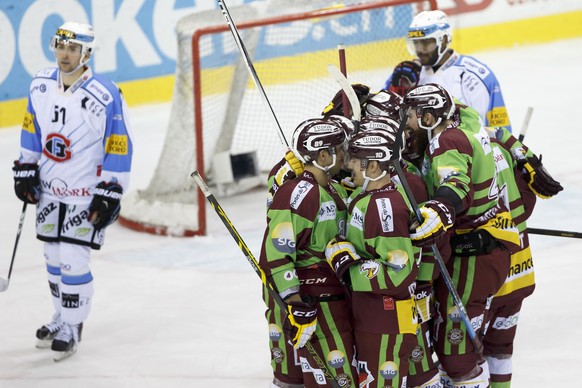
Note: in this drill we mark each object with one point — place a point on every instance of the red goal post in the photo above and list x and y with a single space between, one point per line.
217 110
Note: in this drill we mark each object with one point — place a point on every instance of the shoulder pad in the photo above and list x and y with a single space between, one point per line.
474 66
99 90
49 72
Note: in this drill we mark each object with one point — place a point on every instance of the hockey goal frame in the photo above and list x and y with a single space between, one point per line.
198 95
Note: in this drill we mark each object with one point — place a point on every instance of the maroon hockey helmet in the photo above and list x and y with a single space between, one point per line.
429 98
346 123
374 141
314 135
384 103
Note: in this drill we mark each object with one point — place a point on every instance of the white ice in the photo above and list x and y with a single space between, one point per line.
187 312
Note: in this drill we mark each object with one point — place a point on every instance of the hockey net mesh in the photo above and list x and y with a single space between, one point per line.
216 106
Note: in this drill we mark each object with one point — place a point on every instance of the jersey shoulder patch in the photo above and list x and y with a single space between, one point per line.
474 66
99 90
48 72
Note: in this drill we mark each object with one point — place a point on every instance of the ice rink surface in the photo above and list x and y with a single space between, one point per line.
186 312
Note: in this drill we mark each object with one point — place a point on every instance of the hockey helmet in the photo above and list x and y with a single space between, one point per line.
314 135
74 32
384 103
426 26
429 98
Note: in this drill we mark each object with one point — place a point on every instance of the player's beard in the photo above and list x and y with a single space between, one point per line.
420 141
429 59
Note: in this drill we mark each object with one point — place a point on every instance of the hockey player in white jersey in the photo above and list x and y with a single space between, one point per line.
74 165
464 77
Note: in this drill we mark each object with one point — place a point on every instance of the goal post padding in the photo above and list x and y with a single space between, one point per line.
216 106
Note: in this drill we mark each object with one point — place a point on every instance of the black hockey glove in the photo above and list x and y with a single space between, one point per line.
335 107
105 206
26 182
537 178
404 77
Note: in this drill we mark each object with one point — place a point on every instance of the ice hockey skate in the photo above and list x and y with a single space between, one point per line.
48 332
66 341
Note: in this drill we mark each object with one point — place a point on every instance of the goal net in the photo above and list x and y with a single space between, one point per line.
217 110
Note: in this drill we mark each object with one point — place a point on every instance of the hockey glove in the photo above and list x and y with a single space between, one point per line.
294 163
437 219
348 184
105 206
301 322
335 107
538 179
26 182
340 255
404 77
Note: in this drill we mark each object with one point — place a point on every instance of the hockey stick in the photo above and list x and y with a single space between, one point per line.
557 233
254 263
344 69
525 124
350 93
247 59
4 283
437 255
543 232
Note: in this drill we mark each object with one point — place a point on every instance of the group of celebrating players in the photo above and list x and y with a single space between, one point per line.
356 262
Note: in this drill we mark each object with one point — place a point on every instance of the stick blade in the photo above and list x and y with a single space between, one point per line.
4 284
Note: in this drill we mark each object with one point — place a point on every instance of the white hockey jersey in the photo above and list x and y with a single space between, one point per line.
79 137
474 84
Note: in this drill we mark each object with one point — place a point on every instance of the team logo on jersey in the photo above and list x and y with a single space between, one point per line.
343 380
336 359
385 213
389 370
56 147
369 268
283 238
278 355
417 354
455 336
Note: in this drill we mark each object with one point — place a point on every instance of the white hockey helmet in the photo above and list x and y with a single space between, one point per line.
74 32
430 25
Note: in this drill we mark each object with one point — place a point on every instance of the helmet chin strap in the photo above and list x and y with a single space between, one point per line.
326 169
441 55
429 129
367 179
81 64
